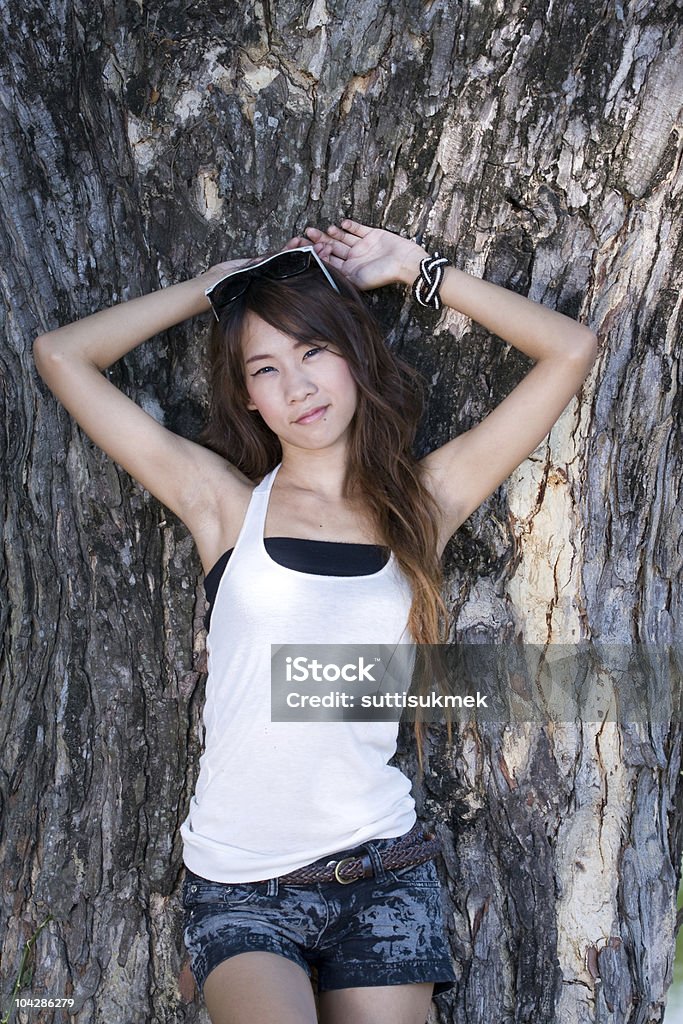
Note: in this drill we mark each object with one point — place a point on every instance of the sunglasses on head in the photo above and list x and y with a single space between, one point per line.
278 267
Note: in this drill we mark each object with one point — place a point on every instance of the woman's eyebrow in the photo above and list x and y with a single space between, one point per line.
252 359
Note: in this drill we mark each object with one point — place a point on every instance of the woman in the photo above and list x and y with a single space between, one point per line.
314 524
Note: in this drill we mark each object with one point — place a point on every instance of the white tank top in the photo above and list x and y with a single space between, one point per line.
274 796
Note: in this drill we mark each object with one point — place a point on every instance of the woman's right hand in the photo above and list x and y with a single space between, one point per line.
219 270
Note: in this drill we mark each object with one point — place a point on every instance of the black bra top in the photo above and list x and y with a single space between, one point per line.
320 557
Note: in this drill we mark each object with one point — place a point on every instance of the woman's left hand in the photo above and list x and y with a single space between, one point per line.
368 257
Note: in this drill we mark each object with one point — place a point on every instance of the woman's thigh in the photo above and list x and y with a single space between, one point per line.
255 987
383 1004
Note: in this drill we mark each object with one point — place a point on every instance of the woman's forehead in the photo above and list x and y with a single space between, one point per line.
258 332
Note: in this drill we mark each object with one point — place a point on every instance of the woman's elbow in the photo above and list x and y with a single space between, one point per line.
586 343
46 354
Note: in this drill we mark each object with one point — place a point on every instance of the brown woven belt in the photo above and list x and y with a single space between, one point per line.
415 847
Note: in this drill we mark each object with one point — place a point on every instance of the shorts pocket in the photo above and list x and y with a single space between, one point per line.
419 876
200 892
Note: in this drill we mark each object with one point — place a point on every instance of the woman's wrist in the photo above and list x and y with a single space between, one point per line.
193 291
408 268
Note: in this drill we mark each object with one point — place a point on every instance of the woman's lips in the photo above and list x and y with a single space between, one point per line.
313 415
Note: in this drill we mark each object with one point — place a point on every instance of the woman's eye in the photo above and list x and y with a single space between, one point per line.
265 370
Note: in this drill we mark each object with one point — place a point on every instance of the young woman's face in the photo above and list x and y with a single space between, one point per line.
304 393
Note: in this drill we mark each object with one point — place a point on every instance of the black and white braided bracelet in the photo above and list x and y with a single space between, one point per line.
426 286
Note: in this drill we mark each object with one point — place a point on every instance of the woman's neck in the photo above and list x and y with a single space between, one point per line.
322 472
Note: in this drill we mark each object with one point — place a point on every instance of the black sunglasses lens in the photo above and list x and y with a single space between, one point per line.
228 291
287 264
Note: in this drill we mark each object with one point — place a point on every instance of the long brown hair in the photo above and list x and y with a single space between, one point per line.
381 465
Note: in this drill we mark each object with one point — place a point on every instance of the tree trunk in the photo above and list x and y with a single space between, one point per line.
537 145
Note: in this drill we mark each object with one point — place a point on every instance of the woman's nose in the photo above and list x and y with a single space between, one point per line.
298 386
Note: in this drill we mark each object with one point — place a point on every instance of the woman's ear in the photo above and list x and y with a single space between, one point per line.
250 406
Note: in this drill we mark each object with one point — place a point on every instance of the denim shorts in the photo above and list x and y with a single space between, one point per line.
384 930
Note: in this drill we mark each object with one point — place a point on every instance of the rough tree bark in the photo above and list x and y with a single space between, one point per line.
540 144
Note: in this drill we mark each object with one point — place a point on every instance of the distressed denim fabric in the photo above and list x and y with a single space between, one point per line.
385 930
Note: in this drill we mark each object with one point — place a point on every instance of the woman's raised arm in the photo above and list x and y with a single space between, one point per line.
180 473
465 471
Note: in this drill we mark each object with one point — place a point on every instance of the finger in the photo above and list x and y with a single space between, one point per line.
321 248
354 228
339 248
295 243
335 261
346 237
326 246
318 238
325 250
